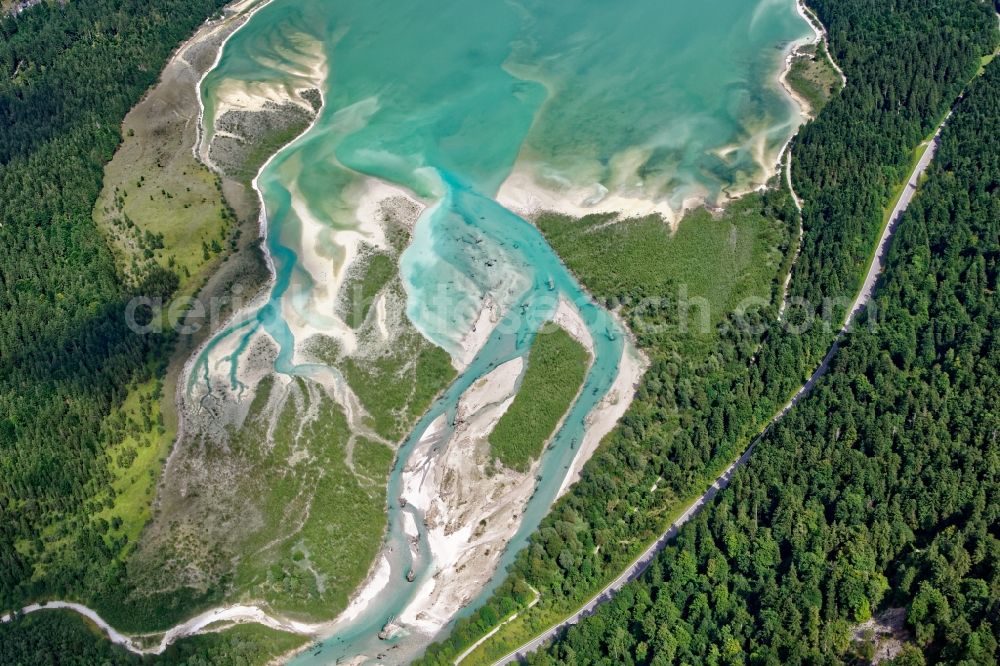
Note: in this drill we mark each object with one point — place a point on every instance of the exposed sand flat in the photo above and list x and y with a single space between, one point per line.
521 194
376 584
377 194
223 30
381 315
533 188
470 515
467 533
327 250
410 525
236 614
254 96
605 415
416 487
308 72
477 336
493 389
567 317
326 255
374 201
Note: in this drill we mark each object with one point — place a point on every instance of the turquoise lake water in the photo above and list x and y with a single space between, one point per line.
659 99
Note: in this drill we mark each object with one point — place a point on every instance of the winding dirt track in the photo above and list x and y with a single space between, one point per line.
147 643
641 563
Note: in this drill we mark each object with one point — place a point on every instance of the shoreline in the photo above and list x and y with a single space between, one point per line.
794 50
821 35
243 612
183 377
522 194
197 150
245 16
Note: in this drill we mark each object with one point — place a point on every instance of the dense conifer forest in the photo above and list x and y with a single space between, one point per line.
69 72
694 414
880 490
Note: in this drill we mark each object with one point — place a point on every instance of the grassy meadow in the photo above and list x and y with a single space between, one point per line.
159 204
136 461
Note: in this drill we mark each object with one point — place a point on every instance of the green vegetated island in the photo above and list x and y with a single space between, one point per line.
875 494
557 366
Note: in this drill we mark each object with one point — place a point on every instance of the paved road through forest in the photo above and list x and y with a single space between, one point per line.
864 296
